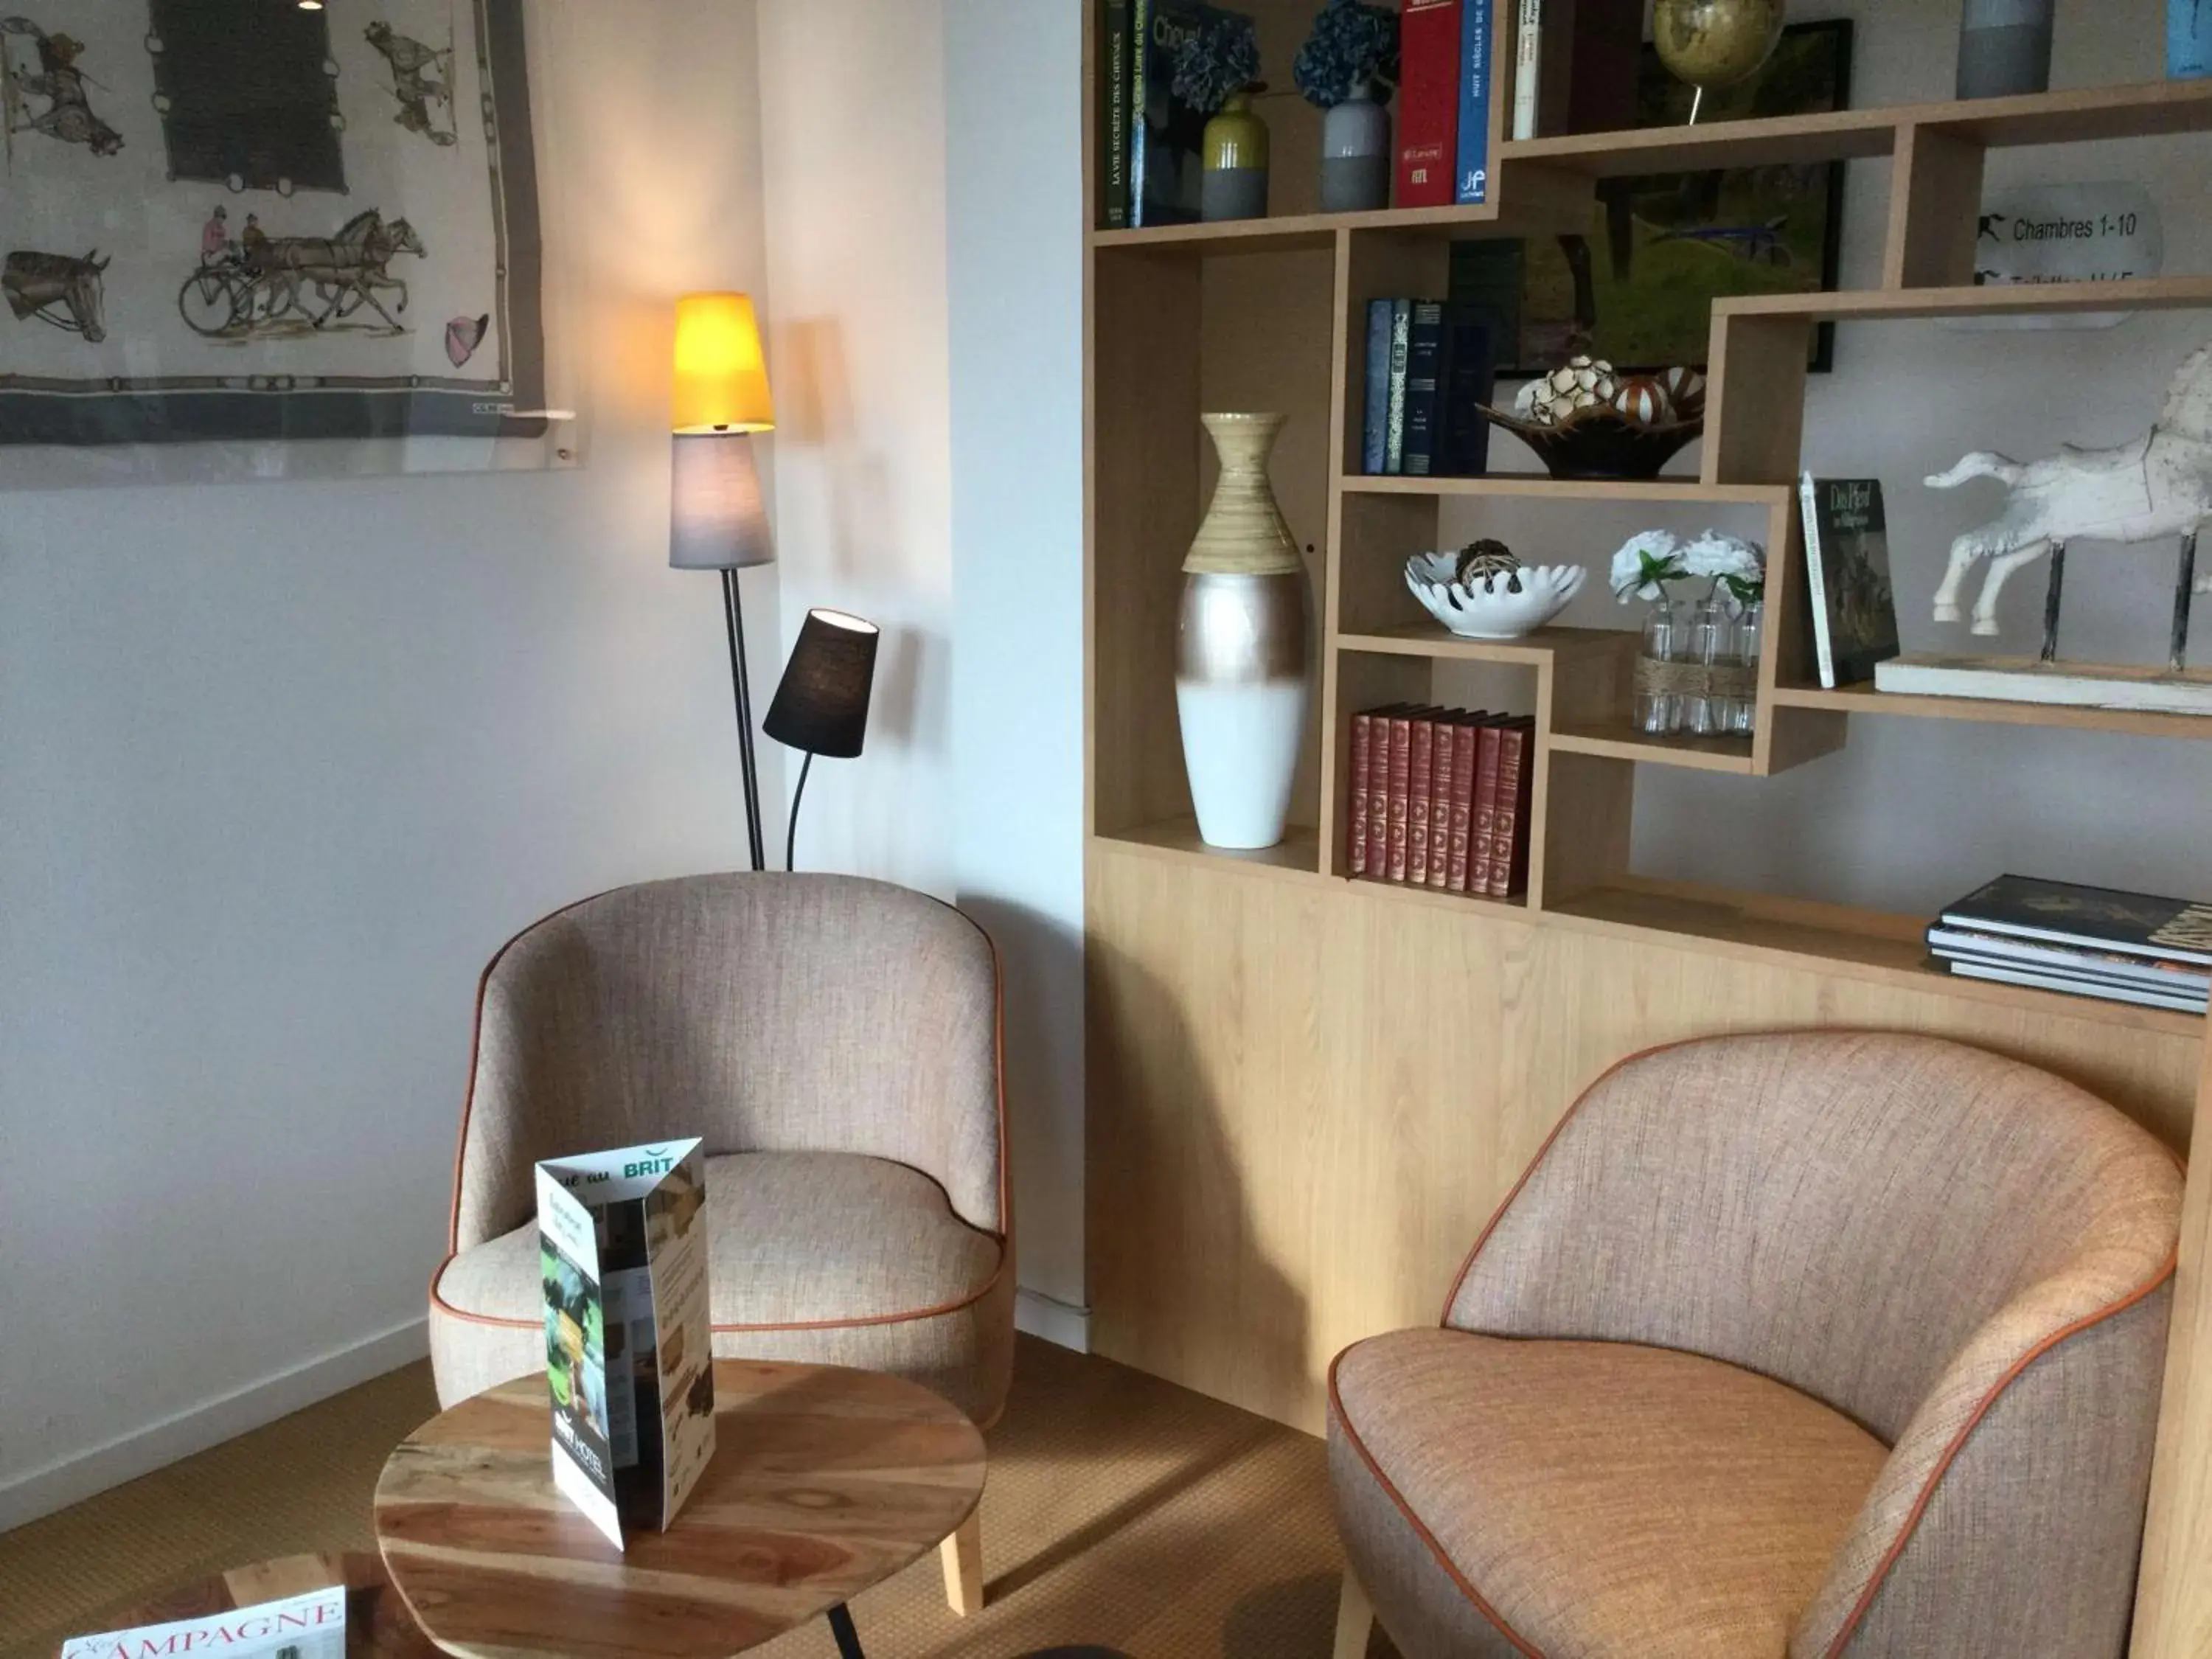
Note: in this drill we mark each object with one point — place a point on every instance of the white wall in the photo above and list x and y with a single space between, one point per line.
923 188
853 114
1014 211
281 765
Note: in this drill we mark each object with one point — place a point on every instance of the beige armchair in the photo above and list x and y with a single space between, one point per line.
1834 1345
836 1043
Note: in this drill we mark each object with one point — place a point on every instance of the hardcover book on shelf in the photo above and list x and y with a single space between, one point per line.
1378 794
2078 961
2066 913
1483 837
1466 749
1394 433
1429 99
1401 776
1420 800
1425 353
1467 382
1574 64
1375 428
1440 799
1116 42
1847 577
1171 136
2140 996
309 1627
1471 183
1516 779
1355 826
622 1261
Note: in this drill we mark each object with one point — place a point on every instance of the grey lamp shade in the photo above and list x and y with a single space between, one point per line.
716 518
822 705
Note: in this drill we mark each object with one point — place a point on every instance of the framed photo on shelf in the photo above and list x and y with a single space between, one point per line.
234 221
1637 287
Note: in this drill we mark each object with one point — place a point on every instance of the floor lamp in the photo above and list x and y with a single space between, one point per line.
821 704
717 520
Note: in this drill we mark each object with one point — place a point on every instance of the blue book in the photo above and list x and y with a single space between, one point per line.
1424 351
1466 381
1472 179
1393 436
1374 434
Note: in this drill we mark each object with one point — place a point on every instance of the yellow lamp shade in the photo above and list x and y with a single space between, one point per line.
722 382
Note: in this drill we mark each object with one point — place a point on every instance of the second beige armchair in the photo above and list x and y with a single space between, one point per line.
835 1041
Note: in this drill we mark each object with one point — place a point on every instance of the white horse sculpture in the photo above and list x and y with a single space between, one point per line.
2159 485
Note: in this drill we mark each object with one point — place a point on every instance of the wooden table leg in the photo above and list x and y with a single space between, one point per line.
848 1639
962 1557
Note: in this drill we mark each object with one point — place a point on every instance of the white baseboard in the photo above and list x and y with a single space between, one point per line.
1056 1321
70 1479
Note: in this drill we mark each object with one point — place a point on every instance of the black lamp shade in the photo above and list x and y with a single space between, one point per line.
822 705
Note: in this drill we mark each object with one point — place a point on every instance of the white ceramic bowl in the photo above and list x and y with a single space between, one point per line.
1492 610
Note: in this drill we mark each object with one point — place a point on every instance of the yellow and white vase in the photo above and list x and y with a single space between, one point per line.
1242 646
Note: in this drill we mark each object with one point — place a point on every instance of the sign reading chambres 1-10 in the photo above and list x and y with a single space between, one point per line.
623 1253
239 220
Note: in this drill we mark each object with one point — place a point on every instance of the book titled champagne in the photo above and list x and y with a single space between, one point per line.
1847 576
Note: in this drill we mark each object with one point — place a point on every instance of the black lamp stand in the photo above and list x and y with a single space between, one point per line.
733 618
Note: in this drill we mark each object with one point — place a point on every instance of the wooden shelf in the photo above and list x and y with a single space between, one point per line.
1290 232
1458 904
1537 486
2023 299
1865 700
1297 855
1433 640
1864 943
1731 755
2153 108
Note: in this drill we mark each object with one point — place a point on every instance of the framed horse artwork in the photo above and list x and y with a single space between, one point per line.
237 222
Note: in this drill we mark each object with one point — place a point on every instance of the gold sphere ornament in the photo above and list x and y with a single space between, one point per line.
1712 44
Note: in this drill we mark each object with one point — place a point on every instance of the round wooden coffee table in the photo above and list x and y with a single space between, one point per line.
377 1622
825 1481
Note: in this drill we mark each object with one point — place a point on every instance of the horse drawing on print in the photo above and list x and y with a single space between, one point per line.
2158 485
68 115
59 288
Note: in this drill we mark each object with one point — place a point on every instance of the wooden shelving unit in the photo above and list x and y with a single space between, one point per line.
1306 1092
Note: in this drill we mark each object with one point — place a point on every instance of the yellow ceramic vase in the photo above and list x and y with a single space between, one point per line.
1234 184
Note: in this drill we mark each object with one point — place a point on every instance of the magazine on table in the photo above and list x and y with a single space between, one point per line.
310 1627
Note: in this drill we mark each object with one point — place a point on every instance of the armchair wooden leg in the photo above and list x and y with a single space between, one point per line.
962 1557
1354 1620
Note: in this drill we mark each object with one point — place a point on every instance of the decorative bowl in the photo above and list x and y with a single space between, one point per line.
1504 607
1600 443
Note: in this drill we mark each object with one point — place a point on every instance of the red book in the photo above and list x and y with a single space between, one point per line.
1401 776
1466 744
1428 101
1378 791
1440 793
1420 800
1517 781
1355 818
1480 836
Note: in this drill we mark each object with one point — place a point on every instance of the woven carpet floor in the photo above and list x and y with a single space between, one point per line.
1120 1511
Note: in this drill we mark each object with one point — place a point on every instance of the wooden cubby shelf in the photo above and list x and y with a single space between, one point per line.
1180 323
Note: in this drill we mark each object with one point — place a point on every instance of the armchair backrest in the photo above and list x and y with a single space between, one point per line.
768 1012
1842 1212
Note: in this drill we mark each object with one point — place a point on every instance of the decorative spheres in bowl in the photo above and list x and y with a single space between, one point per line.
1488 602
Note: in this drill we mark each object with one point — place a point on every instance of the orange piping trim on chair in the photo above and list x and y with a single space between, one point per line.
1982 1408
476 1050
1352 1438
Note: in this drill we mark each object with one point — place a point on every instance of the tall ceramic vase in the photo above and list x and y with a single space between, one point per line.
1241 649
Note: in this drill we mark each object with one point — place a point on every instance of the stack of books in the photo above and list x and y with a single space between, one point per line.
2085 941
1440 799
1430 368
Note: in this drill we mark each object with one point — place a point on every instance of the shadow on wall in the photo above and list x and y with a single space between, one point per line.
1182 1229
815 412
912 678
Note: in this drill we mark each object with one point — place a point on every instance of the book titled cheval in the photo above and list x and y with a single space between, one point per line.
623 1258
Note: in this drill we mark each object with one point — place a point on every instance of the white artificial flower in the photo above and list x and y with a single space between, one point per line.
1736 568
1645 562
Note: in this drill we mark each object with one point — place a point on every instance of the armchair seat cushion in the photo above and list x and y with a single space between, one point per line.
833 1257
1504 1497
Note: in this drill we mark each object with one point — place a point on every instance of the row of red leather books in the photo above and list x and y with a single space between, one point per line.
1440 799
